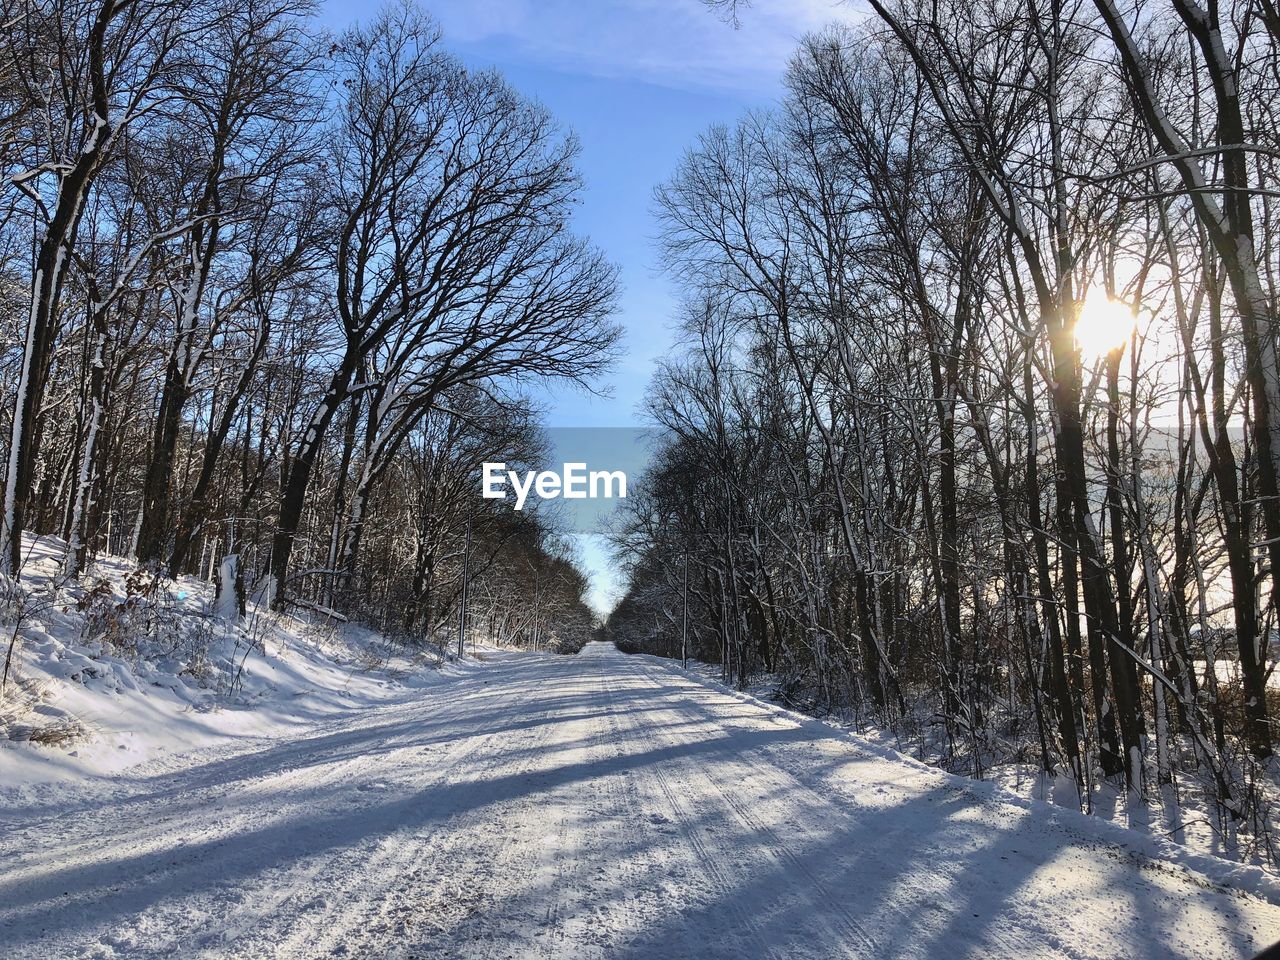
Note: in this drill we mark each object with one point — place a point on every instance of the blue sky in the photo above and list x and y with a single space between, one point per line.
637 81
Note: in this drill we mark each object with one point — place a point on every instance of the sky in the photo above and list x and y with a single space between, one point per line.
637 81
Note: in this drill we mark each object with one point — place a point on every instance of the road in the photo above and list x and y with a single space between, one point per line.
586 807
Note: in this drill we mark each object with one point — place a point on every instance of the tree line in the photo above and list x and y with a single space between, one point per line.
272 294
973 431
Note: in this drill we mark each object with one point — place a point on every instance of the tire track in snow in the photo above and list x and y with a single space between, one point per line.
382 904
167 858
1019 928
651 876
723 884
845 929
588 808
325 891
818 823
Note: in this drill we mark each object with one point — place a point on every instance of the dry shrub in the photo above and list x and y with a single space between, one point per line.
24 717
59 733
145 613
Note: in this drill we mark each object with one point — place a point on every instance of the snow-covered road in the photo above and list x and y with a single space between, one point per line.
589 806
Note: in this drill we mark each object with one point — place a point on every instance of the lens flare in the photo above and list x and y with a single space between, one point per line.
1104 324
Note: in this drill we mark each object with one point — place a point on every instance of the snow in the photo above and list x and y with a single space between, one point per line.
1165 814
194 681
599 805
227 602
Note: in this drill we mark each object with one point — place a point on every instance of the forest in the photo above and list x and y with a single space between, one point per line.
973 431
270 294
644 479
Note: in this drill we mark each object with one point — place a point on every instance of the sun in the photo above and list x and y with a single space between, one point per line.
1104 324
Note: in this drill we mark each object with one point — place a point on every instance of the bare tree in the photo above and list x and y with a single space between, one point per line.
102 77
451 257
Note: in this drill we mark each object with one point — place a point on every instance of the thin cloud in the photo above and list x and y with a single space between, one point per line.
675 43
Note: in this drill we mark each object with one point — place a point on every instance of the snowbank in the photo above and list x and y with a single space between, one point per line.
124 668
1148 849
